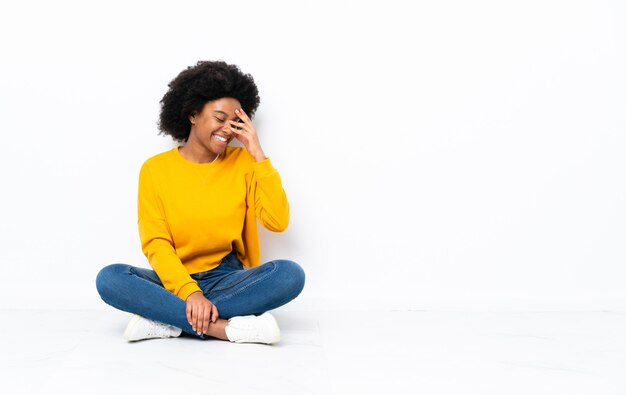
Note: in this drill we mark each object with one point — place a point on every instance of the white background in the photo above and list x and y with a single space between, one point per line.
435 153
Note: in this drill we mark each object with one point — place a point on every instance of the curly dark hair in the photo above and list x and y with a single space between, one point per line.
199 84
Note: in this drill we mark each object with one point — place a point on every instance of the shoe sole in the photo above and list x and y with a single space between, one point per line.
131 327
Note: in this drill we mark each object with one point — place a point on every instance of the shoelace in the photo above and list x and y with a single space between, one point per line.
157 329
252 329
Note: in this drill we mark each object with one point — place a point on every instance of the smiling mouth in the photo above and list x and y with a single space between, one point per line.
221 138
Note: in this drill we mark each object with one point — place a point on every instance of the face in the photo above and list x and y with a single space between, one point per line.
210 127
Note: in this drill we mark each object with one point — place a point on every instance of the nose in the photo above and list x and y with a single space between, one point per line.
226 129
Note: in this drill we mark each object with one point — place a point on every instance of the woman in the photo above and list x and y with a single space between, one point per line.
197 211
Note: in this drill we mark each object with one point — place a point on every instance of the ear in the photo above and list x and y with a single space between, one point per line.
192 118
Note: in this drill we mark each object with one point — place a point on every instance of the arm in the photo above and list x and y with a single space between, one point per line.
270 201
156 240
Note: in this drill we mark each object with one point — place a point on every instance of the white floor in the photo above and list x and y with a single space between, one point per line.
323 352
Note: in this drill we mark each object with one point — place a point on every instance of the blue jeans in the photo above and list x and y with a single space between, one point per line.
233 289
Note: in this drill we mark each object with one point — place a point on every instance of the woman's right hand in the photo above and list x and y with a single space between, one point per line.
200 311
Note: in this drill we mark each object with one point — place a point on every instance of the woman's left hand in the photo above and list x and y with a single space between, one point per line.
246 134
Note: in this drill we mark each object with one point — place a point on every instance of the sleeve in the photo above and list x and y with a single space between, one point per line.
270 200
156 240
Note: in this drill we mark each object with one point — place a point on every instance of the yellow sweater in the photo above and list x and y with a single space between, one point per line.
191 215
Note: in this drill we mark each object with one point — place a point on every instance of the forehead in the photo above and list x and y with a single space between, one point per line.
226 105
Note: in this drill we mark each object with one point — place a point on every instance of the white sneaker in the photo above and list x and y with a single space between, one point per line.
253 329
140 328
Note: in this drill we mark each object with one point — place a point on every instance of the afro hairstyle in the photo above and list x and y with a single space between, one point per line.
199 84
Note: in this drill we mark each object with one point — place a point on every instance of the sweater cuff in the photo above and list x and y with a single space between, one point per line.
263 168
187 290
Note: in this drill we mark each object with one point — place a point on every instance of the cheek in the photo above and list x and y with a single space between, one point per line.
210 127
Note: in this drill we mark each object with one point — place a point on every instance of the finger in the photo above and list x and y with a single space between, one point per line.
215 314
206 319
193 319
238 132
188 311
197 321
237 125
242 114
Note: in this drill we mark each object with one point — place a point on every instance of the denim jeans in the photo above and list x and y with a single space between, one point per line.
233 289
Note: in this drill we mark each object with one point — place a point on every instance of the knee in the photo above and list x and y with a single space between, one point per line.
292 276
105 280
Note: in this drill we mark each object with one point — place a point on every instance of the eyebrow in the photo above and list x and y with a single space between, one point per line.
222 112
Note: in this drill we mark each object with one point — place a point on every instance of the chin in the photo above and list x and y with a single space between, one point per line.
219 150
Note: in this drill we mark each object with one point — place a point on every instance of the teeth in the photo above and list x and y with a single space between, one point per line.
220 138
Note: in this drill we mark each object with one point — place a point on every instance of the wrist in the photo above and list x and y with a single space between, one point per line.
259 156
193 294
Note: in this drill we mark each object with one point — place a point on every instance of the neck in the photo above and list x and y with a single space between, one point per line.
197 154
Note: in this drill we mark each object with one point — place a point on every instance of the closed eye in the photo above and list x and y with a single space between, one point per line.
221 120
